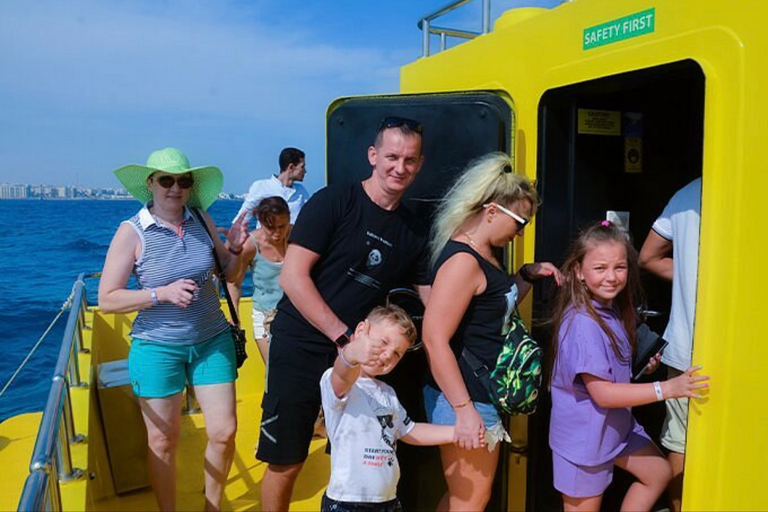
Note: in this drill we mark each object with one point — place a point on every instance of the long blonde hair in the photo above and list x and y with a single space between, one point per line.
489 179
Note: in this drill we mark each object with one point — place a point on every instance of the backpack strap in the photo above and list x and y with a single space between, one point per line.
479 368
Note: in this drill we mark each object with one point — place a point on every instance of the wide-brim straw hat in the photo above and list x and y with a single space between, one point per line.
209 180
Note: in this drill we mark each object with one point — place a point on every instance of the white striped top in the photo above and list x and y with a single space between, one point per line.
167 257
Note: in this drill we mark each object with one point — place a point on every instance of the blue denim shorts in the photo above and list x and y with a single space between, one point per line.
439 411
160 369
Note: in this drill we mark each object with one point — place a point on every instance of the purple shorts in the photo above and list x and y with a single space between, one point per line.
579 481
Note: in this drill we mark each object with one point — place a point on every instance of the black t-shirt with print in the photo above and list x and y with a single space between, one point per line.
364 252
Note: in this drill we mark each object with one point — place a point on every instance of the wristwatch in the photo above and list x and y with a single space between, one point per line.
344 338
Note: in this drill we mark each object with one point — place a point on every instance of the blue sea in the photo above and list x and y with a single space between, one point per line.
44 245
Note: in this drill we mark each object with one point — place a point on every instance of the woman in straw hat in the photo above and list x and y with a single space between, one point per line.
180 333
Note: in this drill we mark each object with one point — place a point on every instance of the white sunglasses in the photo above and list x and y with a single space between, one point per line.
521 221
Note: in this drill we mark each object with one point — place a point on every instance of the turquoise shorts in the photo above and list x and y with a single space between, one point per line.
160 369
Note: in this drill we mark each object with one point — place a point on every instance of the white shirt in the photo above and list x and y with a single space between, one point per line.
679 223
363 428
295 196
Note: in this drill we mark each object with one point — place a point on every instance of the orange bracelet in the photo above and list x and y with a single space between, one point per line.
462 404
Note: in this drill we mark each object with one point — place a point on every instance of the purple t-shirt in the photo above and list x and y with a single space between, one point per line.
580 430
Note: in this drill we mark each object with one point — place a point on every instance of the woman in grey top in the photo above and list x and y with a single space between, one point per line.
180 334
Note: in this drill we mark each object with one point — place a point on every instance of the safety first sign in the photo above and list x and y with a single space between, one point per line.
634 25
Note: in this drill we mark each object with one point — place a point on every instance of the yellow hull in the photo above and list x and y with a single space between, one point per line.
533 53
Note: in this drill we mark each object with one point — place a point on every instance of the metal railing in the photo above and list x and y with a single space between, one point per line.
427 29
51 462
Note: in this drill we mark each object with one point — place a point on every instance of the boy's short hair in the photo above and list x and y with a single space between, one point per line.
396 315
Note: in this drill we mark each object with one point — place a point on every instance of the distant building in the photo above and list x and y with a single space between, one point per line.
8 191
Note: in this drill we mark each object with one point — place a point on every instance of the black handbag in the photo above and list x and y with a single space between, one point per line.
238 334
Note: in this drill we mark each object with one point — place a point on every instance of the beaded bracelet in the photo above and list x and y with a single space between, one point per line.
344 360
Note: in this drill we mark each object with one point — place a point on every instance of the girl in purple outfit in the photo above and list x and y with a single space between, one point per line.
592 428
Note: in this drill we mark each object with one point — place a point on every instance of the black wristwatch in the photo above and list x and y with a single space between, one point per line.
344 338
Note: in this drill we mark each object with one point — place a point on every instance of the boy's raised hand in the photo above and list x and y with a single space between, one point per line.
362 348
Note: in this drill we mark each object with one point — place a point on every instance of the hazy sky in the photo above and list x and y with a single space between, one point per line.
89 85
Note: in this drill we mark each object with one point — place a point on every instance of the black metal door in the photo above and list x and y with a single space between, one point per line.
457 129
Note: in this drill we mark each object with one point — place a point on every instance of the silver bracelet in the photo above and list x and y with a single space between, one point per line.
344 360
659 393
153 296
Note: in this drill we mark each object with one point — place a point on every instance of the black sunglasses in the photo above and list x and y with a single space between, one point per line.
167 181
396 122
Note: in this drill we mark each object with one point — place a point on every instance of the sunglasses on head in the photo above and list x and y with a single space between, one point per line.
167 181
521 221
396 122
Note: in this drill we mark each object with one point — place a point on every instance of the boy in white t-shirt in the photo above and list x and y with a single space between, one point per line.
364 419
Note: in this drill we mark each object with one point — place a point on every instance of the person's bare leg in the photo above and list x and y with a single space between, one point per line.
653 473
218 404
675 489
590 504
277 486
469 475
162 416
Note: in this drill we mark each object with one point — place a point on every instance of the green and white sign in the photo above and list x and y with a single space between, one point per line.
620 29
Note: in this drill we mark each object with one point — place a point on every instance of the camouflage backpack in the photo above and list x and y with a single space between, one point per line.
513 384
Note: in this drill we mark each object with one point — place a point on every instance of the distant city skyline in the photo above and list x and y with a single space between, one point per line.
46 191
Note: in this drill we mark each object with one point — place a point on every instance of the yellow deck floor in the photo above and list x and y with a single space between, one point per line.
243 491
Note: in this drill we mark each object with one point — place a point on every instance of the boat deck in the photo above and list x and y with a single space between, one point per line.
94 492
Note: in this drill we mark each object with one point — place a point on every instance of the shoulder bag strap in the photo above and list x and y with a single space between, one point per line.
479 368
222 277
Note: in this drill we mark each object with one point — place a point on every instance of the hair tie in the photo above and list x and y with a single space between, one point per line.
606 223
507 169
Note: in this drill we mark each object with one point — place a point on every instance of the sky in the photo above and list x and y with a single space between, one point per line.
87 86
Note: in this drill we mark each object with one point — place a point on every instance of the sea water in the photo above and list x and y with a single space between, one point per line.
44 245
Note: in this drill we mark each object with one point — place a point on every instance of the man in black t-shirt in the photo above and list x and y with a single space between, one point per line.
350 245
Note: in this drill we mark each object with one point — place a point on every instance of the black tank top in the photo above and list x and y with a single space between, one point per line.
481 327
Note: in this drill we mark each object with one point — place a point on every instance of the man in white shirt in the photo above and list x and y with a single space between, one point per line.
285 185
674 237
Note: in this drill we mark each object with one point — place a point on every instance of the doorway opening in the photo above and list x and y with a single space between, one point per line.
616 147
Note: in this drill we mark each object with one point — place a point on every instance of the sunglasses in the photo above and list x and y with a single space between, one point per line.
521 221
167 181
396 122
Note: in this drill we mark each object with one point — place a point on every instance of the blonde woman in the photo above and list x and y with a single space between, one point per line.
472 295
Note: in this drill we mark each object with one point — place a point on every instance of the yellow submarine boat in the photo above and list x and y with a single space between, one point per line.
611 106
